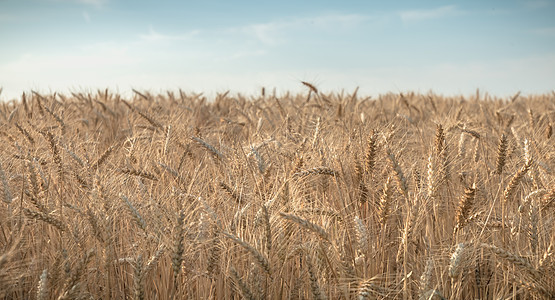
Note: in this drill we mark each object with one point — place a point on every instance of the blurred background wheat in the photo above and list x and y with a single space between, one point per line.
300 196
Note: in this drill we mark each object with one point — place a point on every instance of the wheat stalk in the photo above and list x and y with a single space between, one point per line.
25 133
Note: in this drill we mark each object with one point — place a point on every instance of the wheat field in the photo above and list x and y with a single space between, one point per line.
298 196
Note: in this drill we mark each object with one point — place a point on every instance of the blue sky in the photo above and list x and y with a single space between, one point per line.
449 47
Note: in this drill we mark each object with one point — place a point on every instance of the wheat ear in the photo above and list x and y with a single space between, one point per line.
243 288
8 197
138 278
514 259
400 178
385 203
362 235
134 213
42 289
315 171
177 250
321 232
501 154
314 285
371 150
45 218
463 210
456 260
260 258
103 157
515 180
217 154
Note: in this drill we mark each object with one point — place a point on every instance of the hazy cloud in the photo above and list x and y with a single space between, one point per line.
269 33
426 14
538 4
91 2
87 17
6 17
272 33
545 31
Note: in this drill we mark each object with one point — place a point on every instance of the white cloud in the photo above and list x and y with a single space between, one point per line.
153 36
426 14
94 65
240 54
498 77
97 3
92 2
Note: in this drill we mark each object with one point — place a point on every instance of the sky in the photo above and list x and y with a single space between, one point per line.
447 47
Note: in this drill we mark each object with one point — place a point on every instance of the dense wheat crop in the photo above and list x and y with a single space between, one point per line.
292 197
